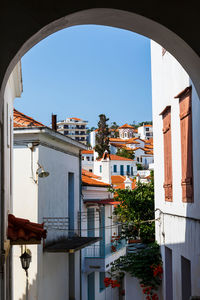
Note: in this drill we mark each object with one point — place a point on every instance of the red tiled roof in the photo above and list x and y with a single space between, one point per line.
88 178
21 120
103 201
126 126
118 182
122 186
123 141
148 125
89 174
76 119
116 157
87 152
115 179
94 182
23 230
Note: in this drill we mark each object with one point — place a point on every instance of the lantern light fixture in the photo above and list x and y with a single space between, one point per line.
25 261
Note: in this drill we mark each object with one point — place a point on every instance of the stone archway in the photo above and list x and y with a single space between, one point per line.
26 25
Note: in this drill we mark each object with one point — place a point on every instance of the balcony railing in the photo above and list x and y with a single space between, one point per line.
102 251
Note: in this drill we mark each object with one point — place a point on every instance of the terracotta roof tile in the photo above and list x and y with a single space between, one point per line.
21 120
88 178
117 157
126 126
87 152
89 174
103 201
23 229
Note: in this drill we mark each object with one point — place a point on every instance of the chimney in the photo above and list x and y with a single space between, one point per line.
54 122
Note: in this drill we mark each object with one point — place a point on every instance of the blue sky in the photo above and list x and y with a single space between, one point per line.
83 71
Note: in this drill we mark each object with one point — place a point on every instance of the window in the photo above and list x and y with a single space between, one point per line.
122 170
101 281
128 170
100 169
115 168
88 158
82 157
147 129
186 144
138 159
166 115
131 171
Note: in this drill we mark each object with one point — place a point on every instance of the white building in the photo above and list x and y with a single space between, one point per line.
88 160
74 128
176 111
13 90
145 131
97 208
47 189
111 164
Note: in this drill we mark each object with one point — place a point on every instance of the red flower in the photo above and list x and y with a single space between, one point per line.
107 281
113 248
155 297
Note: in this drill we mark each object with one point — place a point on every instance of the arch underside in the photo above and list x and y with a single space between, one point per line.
168 24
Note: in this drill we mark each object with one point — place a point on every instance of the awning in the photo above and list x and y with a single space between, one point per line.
102 202
22 231
70 245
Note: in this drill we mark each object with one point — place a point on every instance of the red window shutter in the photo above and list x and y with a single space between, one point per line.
186 144
166 114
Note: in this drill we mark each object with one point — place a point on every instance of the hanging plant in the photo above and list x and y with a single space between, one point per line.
146 265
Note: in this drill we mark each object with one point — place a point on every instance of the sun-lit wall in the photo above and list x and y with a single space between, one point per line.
175 230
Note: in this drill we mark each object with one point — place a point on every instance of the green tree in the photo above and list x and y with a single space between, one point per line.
125 153
115 126
102 136
135 210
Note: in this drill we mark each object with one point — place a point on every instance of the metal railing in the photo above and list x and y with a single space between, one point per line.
56 223
102 251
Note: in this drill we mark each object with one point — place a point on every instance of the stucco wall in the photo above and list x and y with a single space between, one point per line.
178 233
48 272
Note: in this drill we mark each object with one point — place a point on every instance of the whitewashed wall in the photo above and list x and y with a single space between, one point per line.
179 234
48 272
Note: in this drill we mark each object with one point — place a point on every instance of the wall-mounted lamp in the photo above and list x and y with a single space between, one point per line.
25 261
41 172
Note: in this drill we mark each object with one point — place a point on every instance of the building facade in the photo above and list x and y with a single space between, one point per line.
97 209
74 128
176 110
47 190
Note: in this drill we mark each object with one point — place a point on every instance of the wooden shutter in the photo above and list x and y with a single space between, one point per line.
166 114
186 144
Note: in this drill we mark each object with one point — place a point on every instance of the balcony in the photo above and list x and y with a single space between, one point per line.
100 257
61 239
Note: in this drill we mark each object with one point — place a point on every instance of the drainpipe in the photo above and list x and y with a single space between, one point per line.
2 253
80 206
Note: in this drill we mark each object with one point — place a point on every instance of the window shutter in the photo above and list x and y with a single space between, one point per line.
186 144
166 115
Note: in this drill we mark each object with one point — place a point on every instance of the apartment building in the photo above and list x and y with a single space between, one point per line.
74 128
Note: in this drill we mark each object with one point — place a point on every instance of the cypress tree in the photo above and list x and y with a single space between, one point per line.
102 136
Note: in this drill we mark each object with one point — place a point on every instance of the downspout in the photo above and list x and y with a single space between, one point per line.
2 258
80 206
